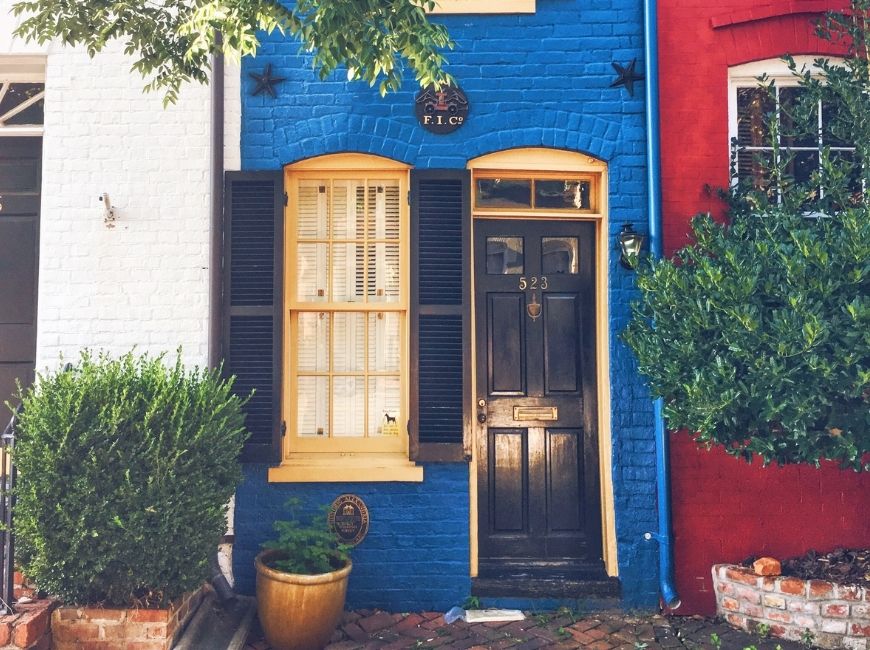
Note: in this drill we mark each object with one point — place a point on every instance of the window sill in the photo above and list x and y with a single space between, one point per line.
484 7
335 468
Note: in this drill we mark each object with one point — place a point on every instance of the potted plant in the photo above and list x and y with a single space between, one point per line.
301 583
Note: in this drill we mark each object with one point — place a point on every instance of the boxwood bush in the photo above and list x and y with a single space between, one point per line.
125 467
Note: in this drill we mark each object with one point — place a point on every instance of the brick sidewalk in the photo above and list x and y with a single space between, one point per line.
366 629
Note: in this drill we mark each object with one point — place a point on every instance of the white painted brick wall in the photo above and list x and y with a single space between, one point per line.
144 282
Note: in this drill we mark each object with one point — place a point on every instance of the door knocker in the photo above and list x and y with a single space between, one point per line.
534 307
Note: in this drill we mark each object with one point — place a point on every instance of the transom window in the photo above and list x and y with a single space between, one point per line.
347 294
752 146
507 191
22 95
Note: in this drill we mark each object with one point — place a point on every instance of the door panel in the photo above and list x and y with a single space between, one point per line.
506 343
537 468
19 246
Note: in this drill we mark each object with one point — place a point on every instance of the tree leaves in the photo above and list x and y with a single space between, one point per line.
173 40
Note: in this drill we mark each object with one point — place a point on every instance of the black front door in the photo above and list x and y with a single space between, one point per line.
537 448
20 160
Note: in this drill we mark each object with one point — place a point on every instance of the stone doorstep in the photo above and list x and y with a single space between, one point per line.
108 628
837 616
28 625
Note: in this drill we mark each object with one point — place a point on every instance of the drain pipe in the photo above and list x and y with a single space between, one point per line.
218 580
665 535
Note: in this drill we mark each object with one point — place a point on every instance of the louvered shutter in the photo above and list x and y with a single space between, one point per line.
252 307
439 312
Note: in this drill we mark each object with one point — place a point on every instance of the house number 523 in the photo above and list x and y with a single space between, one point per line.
533 282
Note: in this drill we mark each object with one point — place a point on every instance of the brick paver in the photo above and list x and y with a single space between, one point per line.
370 629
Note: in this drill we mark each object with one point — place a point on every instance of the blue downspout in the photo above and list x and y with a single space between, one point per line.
665 535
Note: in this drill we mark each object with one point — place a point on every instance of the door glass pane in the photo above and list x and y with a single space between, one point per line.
311 265
348 342
384 406
383 273
313 406
347 272
311 222
347 212
384 341
559 255
503 193
348 406
312 344
504 255
562 195
383 210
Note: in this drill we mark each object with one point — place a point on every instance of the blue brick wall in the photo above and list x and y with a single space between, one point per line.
415 556
531 80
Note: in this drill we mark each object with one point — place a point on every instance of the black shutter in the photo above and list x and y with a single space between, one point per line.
252 303
440 316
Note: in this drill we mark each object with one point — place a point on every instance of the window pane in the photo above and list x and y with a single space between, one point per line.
313 406
311 219
561 195
311 268
504 255
384 406
17 95
383 210
348 342
753 165
348 406
802 165
559 255
347 272
384 341
312 344
752 105
799 121
383 273
833 130
504 193
347 213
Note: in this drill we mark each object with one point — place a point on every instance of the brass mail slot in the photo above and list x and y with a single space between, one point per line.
536 413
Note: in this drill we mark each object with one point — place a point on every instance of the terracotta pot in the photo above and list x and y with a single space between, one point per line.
299 612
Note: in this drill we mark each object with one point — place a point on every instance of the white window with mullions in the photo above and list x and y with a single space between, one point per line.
750 104
347 309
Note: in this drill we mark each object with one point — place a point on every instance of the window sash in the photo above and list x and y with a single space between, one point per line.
374 225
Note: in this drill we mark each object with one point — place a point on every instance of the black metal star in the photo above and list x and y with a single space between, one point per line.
265 82
627 76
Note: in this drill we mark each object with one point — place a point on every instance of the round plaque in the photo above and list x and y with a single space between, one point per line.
349 519
441 111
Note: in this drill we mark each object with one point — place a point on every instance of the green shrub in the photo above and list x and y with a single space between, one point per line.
126 467
757 335
761 335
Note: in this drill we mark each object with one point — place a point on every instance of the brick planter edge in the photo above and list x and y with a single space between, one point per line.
837 616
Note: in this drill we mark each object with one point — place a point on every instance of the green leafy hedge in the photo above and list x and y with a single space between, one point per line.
761 335
125 470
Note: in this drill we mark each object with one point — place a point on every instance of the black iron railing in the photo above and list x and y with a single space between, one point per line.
8 474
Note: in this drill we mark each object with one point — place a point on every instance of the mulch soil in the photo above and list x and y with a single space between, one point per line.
370 629
844 566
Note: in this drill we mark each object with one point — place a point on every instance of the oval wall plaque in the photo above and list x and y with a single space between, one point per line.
349 519
441 111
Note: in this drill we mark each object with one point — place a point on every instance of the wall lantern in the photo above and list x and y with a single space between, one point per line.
630 245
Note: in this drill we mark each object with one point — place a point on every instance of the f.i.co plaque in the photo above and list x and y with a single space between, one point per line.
349 519
441 111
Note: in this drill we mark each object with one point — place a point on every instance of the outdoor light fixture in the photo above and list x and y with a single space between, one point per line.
630 245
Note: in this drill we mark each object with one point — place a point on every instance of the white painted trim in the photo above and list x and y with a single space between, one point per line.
22 69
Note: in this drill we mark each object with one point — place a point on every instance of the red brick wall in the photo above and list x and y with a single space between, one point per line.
724 509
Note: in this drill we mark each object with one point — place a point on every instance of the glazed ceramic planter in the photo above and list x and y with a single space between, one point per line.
299 612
